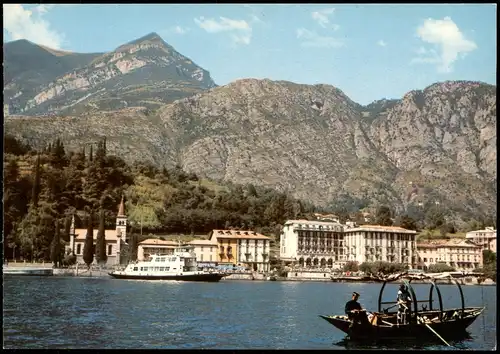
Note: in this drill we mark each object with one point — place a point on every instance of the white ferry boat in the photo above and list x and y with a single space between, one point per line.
181 265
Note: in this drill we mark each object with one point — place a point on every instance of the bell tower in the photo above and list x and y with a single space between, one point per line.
121 221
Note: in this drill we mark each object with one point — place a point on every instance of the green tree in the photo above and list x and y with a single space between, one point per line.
434 217
101 256
133 247
408 223
439 268
36 183
88 246
351 266
55 247
383 216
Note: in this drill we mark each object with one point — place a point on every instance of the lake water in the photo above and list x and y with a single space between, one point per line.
73 312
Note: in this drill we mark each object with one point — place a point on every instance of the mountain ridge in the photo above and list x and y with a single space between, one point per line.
144 72
436 144
312 141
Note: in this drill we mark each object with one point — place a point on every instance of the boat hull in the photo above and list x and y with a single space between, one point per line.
448 330
209 277
28 272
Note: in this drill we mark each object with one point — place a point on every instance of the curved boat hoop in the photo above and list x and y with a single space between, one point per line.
434 285
413 296
461 297
380 297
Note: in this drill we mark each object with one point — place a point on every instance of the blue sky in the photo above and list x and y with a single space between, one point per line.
368 51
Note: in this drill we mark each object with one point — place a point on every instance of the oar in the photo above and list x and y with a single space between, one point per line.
426 325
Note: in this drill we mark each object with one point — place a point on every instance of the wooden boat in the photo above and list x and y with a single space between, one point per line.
424 324
180 266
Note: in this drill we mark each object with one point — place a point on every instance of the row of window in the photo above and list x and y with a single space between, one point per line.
451 258
153 269
168 259
79 249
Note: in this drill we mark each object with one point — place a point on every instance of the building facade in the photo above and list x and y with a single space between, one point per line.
313 244
115 240
320 245
486 238
246 248
152 246
205 250
457 253
371 243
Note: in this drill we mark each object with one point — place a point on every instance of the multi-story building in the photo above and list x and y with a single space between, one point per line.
486 238
457 253
115 240
205 250
370 243
238 247
313 244
152 246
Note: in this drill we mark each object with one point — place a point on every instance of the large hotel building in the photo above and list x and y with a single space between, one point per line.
317 244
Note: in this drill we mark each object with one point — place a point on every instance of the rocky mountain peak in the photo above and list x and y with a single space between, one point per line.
145 72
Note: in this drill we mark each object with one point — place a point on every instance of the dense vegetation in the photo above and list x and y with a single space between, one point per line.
49 186
378 267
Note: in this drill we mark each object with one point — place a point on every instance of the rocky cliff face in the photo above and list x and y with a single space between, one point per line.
312 141
146 72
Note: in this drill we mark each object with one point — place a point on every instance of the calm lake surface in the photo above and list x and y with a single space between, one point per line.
69 312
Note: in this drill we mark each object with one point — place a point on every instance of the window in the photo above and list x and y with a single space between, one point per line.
110 249
162 269
135 268
145 269
201 248
201 257
79 248
167 269
157 269
430 260
210 258
142 269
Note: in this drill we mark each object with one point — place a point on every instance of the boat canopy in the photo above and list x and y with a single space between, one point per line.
430 300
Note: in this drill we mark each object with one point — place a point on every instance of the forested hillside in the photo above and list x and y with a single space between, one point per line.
49 186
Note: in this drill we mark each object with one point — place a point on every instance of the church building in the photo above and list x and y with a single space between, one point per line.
115 240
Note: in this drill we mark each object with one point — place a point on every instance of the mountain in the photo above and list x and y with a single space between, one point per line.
146 72
436 144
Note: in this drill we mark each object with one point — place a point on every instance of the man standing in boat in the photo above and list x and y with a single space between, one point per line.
354 311
404 302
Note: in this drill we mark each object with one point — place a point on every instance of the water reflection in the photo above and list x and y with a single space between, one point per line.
459 342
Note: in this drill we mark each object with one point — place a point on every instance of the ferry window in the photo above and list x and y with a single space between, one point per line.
162 269
162 259
157 260
157 269
167 268
110 249
174 268
135 268
145 268
78 248
141 269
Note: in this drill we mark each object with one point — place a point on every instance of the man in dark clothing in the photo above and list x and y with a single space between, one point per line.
354 311
352 306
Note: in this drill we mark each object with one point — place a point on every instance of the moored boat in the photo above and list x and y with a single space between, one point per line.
424 324
181 266
34 272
